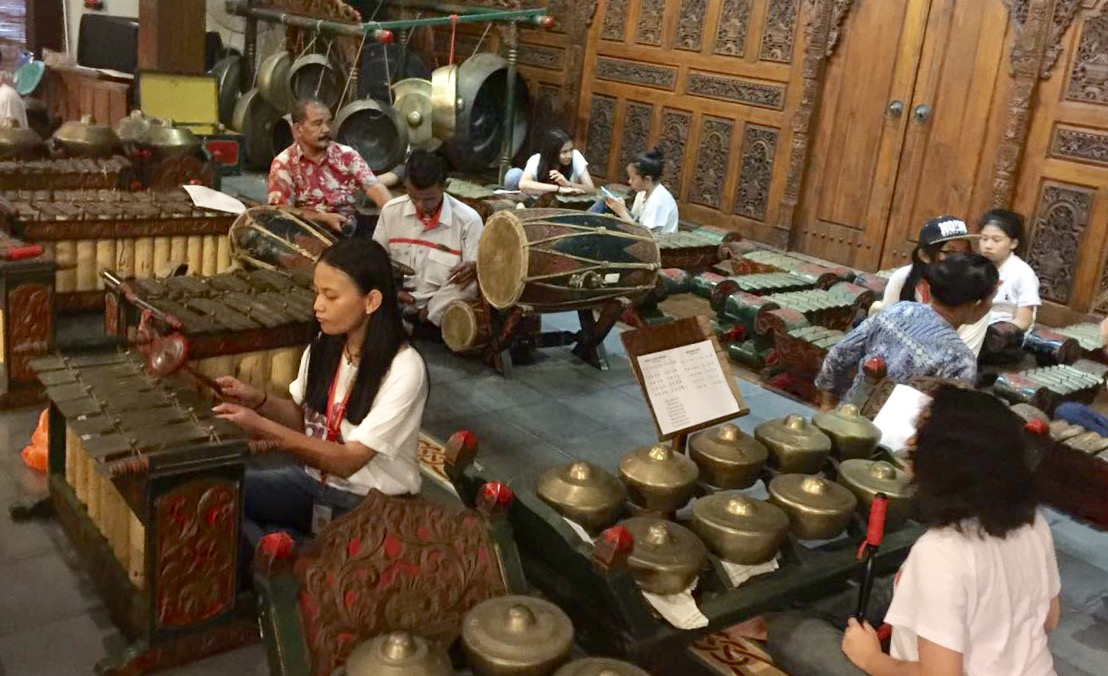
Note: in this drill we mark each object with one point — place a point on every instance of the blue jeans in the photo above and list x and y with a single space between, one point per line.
1080 414
281 499
599 207
511 178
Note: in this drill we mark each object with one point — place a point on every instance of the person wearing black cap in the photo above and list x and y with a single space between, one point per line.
916 339
938 238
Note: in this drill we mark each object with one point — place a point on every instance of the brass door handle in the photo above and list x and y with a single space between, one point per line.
895 110
922 112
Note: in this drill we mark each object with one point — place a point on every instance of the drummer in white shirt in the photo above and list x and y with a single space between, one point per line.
654 206
434 234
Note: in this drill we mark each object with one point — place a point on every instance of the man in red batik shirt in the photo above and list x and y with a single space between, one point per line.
317 177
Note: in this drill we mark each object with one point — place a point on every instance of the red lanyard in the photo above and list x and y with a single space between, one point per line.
431 221
336 411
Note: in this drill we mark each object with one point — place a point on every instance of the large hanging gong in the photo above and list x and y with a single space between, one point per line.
444 102
479 123
412 103
273 80
314 77
374 131
228 76
255 118
385 65
282 136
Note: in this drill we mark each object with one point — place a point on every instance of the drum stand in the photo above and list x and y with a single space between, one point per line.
588 343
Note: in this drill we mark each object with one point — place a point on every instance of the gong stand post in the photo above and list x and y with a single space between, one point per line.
250 47
508 141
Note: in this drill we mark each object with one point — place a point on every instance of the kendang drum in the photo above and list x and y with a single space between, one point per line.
465 326
551 260
273 239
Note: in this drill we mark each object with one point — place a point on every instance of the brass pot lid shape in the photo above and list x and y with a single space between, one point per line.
412 103
583 492
740 529
131 128
600 666
510 633
871 477
847 422
727 446
18 142
795 444
812 494
85 137
666 558
658 465
398 653
167 139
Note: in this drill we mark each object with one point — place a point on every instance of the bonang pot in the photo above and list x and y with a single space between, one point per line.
397 653
817 508
666 558
851 434
600 666
658 479
867 478
740 529
583 493
727 458
794 444
516 636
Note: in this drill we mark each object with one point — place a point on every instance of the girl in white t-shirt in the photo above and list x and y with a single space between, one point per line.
1017 298
654 206
353 419
980 589
559 168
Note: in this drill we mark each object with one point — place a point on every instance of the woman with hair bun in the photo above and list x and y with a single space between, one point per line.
654 206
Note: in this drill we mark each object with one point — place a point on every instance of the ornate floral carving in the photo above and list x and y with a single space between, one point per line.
577 37
777 35
598 143
1089 78
637 118
734 21
541 56
711 163
30 317
1060 226
615 20
690 25
1101 303
1064 13
839 10
393 564
759 149
1083 145
652 18
736 89
675 131
197 532
631 72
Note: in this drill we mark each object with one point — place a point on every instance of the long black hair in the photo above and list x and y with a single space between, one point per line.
919 266
367 263
970 464
550 156
1009 222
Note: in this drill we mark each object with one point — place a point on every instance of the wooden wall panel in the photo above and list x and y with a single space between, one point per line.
1063 178
721 79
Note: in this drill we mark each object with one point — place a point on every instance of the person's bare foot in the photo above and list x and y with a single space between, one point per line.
755 628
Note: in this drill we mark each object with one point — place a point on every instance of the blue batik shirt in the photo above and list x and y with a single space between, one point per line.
912 339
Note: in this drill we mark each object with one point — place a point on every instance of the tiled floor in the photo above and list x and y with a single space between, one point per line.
51 621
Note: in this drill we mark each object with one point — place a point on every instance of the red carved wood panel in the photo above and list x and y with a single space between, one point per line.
30 327
1063 178
716 82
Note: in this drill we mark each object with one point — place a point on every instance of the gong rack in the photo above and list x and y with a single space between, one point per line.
382 32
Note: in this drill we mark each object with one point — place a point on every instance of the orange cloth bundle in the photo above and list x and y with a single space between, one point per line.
34 455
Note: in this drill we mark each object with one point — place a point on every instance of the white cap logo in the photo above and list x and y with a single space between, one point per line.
953 228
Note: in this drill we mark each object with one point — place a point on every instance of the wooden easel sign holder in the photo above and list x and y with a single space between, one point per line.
685 377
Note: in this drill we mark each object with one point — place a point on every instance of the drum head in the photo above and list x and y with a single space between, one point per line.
502 260
459 326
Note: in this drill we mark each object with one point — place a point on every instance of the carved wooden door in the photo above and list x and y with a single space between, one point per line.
860 130
908 127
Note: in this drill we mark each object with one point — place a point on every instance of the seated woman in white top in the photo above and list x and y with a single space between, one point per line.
938 238
1017 298
654 206
559 168
353 419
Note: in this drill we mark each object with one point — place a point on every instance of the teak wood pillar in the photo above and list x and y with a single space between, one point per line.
171 36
